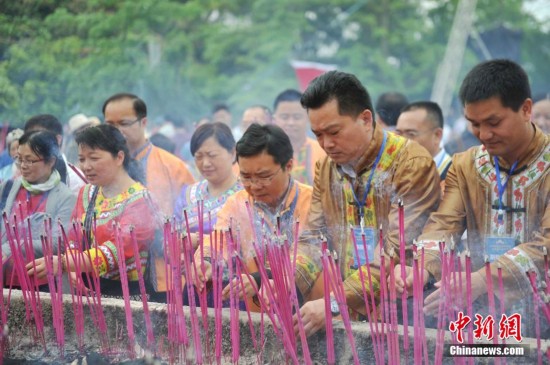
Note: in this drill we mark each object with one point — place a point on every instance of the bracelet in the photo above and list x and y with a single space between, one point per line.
64 263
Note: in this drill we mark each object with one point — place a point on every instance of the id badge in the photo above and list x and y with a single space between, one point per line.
496 246
370 240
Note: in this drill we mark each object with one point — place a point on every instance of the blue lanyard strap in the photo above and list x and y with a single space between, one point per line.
502 187
42 198
361 204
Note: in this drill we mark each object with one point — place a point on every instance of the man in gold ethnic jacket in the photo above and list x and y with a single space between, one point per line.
497 102
361 158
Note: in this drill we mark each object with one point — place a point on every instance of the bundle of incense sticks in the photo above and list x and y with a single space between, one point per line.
76 300
177 329
122 269
92 292
28 287
55 290
372 320
337 289
143 291
233 300
276 309
185 249
331 358
217 264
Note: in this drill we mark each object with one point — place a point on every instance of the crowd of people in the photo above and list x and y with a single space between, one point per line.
329 158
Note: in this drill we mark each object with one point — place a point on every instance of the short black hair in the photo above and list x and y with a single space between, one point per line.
265 109
218 130
107 138
290 95
44 144
162 141
140 108
433 111
268 138
353 98
220 106
389 105
500 78
46 122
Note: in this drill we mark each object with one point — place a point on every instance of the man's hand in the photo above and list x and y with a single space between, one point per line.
201 279
431 303
400 285
38 269
236 283
313 317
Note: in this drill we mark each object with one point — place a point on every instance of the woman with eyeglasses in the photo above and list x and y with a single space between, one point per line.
39 193
213 148
115 197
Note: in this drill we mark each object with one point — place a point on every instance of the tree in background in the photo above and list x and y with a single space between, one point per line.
67 56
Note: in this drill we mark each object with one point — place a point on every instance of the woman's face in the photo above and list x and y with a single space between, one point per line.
100 167
213 161
13 148
33 167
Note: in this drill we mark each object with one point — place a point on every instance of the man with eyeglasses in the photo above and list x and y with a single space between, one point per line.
276 199
165 174
292 118
422 122
356 191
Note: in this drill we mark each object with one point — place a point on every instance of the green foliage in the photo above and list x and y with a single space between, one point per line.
67 56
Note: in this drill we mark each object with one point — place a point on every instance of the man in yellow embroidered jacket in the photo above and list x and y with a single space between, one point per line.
358 184
498 191
165 174
264 154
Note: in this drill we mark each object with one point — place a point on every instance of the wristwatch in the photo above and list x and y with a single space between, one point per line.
334 307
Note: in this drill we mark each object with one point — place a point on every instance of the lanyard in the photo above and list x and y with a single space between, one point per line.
501 187
42 198
361 204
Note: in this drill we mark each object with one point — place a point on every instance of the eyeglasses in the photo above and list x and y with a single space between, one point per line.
260 181
28 163
124 123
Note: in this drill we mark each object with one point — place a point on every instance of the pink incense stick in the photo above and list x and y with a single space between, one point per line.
443 296
403 261
533 281
417 294
385 309
491 296
59 299
501 297
331 358
393 312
